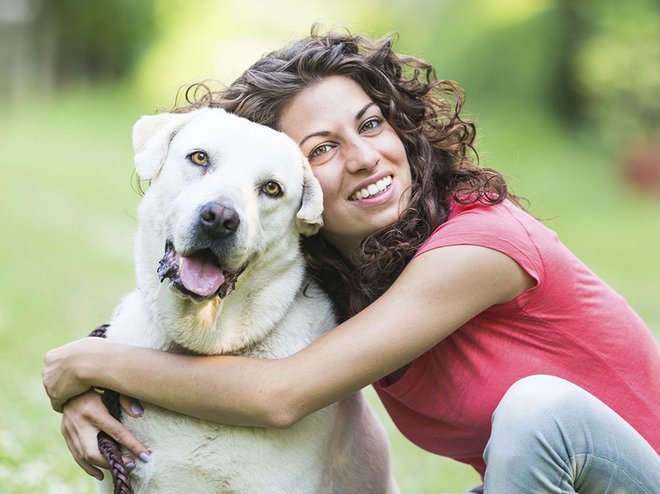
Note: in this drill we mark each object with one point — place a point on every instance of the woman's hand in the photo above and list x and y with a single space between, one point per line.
83 417
64 369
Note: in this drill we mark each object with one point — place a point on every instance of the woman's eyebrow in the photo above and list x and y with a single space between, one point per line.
323 133
363 110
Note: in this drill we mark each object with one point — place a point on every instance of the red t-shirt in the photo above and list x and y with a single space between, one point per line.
571 325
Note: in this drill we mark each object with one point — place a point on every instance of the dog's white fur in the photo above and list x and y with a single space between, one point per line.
339 449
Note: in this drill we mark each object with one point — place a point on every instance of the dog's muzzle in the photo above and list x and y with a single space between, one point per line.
199 274
202 279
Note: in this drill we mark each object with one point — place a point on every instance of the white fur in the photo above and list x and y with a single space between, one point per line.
339 449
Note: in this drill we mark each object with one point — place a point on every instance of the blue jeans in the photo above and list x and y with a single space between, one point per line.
551 436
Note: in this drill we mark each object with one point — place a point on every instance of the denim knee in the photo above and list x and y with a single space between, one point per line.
549 435
528 407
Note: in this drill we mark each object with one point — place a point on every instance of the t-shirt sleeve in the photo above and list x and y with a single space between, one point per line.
500 227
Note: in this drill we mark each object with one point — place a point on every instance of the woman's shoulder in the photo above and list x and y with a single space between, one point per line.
486 225
503 227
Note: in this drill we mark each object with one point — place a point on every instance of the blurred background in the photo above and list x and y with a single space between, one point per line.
566 95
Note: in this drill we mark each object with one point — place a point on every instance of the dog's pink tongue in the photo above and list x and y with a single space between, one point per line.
200 274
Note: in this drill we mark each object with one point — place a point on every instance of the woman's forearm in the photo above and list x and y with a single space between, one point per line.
227 389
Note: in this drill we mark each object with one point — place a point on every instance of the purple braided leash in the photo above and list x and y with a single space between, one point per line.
108 446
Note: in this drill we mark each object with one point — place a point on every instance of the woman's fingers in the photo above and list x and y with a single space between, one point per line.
82 419
77 451
130 406
80 434
116 430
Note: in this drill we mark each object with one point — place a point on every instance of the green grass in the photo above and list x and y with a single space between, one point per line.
67 214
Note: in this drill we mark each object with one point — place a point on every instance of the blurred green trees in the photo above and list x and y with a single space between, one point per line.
617 62
45 43
98 39
593 62
588 62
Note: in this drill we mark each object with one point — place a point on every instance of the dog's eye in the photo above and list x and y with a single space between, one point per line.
199 158
271 188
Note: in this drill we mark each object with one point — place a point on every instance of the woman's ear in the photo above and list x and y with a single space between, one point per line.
151 140
309 217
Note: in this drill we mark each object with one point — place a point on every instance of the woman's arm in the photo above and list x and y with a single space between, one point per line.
436 293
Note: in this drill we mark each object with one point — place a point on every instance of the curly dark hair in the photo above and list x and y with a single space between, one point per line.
425 113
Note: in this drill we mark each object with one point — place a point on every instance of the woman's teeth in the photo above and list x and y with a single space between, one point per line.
372 189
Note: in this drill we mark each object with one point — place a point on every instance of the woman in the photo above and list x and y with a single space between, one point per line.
485 338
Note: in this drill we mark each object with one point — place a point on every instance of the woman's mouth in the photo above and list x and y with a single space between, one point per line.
373 189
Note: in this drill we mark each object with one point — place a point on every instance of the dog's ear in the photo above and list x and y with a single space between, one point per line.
309 217
151 140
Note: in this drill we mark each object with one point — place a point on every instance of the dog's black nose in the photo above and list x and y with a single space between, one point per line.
217 219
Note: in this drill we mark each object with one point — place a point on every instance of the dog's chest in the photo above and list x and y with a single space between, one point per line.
189 455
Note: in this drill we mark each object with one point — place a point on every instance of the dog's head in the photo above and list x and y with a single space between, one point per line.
224 192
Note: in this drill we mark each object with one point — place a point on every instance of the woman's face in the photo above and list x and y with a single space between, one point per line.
356 156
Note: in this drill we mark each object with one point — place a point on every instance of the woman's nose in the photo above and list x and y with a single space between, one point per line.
361 156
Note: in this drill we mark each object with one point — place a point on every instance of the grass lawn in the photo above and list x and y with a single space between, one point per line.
67 212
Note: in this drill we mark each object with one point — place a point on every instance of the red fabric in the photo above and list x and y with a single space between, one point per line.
570 325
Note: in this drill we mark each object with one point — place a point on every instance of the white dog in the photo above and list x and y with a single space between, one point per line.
221 221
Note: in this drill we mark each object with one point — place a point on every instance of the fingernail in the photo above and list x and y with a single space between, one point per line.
144 457
99 477
130 465
136 409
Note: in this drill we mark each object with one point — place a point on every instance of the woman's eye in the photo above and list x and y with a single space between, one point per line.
319 150
199 158
272 189
370 124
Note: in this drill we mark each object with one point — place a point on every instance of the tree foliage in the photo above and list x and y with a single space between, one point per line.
617 63
95 39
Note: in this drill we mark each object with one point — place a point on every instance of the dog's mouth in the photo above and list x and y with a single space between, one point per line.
198 274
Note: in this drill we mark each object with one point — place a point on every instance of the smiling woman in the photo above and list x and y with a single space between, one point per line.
396 102
353 151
